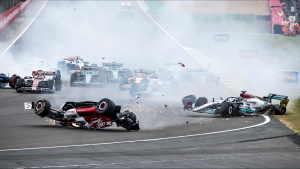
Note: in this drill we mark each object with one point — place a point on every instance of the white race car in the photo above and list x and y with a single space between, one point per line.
71 64
246 104
40 81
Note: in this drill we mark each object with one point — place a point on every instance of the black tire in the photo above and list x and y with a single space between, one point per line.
280 110
51 86
130 119
13 80
121 74
106 108
187 99
42 107
73 79
61 65
201 101
123 80
95 79
129 115
134 89
58 84
227 109
19 84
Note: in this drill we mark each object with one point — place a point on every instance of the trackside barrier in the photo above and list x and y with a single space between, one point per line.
9 16
277 16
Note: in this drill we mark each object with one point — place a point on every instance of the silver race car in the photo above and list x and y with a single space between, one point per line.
245 104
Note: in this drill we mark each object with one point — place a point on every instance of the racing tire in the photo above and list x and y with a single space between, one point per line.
187 99
280 110
123 80
19 84
73 79
42 107
58 84
51 86
201 101
134 89
106 108
227 109
130 118
13 80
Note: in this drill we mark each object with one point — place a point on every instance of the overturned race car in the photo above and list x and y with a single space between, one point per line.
87 114
246 104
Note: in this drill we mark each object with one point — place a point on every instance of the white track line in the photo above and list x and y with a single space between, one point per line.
204 60
267 120
13 42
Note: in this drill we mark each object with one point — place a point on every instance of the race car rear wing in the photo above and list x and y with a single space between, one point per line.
113 64
40 72
277 97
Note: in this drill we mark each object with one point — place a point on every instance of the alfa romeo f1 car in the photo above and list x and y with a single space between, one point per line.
40 81
246 104
87 114
92 76
4 80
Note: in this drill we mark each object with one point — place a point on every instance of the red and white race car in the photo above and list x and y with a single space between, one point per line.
87 114
40 81
71 64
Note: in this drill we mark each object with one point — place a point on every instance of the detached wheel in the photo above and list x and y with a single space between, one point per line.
42 107
280 110
226 109
13 80
201 101
19 85
106 107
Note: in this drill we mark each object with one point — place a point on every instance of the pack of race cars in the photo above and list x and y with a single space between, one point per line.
96 115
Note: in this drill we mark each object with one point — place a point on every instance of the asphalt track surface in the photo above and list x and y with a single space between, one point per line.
27 141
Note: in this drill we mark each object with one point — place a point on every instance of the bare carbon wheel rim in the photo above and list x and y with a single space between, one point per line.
230 110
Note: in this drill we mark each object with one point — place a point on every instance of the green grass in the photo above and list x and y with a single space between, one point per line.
292 117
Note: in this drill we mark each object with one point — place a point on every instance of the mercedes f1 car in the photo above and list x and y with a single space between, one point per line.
4 80
87 114
246 104
40 81
92 76
115 71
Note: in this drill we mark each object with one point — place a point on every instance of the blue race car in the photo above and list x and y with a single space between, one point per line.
11 81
